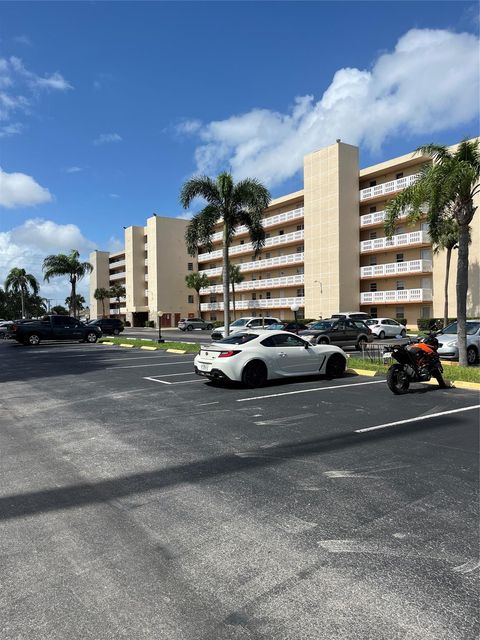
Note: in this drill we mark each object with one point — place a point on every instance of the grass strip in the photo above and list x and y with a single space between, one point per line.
467 374
187 347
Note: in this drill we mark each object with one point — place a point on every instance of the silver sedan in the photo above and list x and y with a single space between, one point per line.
448 341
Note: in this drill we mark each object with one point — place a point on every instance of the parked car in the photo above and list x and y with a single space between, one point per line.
353 315
386 328
287 326
189 324
255 356
55 327
342 332
448 341
108 326
5 329
250 322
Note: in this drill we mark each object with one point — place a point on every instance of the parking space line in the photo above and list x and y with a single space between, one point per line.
291 393
417 419
160 364
159 381
169 375
154 379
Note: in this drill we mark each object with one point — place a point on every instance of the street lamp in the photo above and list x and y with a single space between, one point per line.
160 339
295 308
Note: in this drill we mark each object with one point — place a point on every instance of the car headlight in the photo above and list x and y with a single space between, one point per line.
452 344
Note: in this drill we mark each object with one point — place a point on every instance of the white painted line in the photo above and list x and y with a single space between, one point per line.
152 357
417 419
204 404
291 393
169 375
160 364
159 381
174 383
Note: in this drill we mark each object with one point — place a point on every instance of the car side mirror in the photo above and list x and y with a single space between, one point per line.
307 346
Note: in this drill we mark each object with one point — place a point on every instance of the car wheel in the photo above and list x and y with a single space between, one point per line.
91 337
189 328
336 366
361 344
403 333
322 341
472 355
116 332
381 335
254 375
209 327
33 339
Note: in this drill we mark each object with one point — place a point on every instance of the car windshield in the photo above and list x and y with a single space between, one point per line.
324 324
277 327
239 323
452 329
371 322
239 338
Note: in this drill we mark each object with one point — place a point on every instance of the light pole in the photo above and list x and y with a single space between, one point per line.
160 339
295 308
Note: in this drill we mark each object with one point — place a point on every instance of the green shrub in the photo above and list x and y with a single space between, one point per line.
149 323
217 323
432 324
127 323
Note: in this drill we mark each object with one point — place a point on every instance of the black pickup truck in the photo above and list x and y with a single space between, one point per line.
54 328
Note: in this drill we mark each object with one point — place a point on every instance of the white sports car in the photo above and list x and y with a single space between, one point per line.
253 357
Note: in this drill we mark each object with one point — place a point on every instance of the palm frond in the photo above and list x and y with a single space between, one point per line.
437 152
251 194
200 187
201 228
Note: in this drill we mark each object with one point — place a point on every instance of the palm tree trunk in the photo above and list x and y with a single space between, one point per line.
462 288
447 277
233 300
22 300
226 282
199 303
103 307
73 297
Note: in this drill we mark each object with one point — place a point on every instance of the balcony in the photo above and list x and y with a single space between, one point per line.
280 218
257 285
378 217
388 188
397 296
258 265
116 264
295 236
402 240
118 276
117 311
395 268
265 303
114 300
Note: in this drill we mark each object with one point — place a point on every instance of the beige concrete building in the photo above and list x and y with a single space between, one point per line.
325 251
152 269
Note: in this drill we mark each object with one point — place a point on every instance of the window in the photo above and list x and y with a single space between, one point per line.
373 183
267 235
300 270
374 312
285 340
254 296
373 286
267 255
372 235
426 312
399 313
213 318
190 299
373 209
242 241
268 295
190 266
400 257
213 300
281 232
213 266
239 338
300 227
373 260
300 293
399 175
300 249
400 285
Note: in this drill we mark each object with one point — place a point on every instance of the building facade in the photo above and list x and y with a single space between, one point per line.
152 269
325 251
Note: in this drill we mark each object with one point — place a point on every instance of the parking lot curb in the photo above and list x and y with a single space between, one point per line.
176 351
362 372
149 348
110 344
124 344
474 386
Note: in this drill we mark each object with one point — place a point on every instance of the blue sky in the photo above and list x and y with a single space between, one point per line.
106 108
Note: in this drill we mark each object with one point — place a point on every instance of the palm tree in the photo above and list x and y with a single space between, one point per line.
232 205
20 282
236 277
447 186
448 241
100 294
79 302
117 291
59 310
67 265
197 281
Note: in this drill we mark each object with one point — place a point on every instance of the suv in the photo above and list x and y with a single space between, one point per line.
108 326
353 315
343 332
251 322
189 324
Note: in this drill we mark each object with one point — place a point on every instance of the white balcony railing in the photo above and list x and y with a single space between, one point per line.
257 265
388 188
118 276
403 239
286 216
116 264
396 296
394 268
378 217
257 285
114 300
295 236
117 311
264 303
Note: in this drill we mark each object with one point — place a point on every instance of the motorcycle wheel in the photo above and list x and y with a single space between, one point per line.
397 380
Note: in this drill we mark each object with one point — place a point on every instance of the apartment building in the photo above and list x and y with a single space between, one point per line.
326 250
152 269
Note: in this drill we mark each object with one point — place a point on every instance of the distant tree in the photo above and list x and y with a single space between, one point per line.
197 281
35 306
67 265
79 302
101 294
236 277
117 291
232 205
20 282
59 310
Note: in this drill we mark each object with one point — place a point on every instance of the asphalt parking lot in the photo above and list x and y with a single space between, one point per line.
140 501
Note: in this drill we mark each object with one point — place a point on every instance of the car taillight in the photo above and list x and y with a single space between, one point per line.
228 354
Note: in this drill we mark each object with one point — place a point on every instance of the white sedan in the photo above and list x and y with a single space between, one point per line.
386 328
253 357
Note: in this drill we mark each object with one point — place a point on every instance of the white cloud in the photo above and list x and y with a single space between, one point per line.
27 245
428 83
23 39
189 126
74 169
186 215
115 244
53 81
106 138
20 190
114 195
11 129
